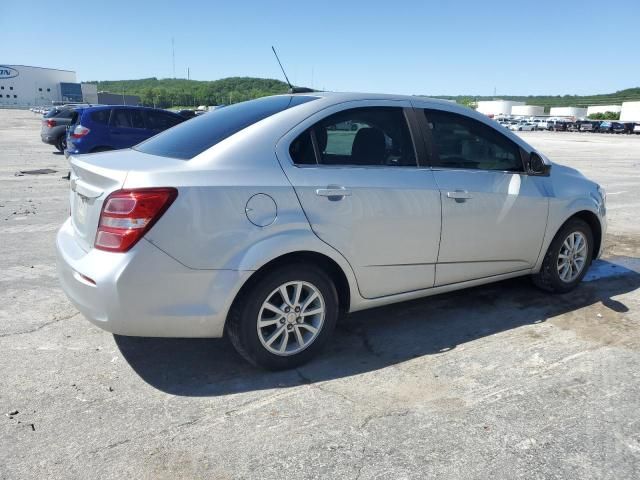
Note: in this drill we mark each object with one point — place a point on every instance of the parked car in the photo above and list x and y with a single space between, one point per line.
522 126
627 127
187 113
54 127
605 127
541 123
636 129
98 129
573 126
263 222
586 126
557 125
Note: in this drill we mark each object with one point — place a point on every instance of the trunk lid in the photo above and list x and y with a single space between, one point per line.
91 184
95 176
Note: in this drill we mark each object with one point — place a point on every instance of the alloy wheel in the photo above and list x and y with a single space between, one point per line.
572 257
291 318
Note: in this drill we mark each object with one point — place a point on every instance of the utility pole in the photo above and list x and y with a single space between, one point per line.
123 102
188 74
173 56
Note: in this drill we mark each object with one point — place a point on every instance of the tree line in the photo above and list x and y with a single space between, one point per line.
170 92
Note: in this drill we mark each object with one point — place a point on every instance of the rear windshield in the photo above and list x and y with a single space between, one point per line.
191 138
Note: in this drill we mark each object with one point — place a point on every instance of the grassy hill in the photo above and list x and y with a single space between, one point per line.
548 101
167 92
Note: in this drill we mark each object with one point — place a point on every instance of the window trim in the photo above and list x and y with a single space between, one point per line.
406 111
434 151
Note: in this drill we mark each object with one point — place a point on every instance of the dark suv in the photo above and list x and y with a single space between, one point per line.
97 129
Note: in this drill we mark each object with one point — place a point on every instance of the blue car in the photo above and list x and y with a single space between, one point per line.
112 127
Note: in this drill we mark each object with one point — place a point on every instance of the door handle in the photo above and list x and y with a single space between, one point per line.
334 193
459 195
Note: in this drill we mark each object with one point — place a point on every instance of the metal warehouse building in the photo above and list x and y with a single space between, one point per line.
21 85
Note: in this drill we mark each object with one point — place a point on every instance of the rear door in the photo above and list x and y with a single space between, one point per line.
493 214
354 168
121 131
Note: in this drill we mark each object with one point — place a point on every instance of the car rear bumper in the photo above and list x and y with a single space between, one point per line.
48 139
144 292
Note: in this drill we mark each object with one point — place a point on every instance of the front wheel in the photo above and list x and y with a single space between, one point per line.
567 259
284 318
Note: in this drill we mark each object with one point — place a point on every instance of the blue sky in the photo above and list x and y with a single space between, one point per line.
412 47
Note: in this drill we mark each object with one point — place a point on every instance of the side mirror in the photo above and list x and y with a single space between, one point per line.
537 166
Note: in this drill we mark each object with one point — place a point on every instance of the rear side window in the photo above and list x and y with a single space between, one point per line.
191 138
101 116
371 136
462 142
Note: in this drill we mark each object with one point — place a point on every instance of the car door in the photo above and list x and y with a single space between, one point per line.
354 168
493 214
121 131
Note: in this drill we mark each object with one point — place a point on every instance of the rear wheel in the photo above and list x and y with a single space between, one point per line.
61 143
284 318
567 259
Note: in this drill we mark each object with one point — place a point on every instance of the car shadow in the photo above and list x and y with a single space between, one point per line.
372 339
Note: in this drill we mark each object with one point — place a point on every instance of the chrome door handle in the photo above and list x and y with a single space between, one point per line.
335 192
459 195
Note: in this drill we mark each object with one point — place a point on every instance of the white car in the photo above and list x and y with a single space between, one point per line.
522 126
265 222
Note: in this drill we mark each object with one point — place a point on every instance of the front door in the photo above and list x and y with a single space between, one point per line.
354 169
493 214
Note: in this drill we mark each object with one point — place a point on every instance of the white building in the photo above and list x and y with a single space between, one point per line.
576 112
89 92
603 109
21 85
527 110
630 112
493 108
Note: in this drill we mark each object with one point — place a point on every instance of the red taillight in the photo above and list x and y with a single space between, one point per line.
51 123
79 131
128 214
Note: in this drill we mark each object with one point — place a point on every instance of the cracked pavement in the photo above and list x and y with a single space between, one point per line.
499 381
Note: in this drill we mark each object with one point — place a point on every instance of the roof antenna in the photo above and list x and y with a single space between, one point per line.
292 89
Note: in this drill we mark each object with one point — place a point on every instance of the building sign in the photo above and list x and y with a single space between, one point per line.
8 72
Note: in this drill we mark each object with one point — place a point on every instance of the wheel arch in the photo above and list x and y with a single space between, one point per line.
585 214
323 261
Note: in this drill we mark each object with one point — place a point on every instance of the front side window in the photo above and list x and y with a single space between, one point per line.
462 142
137 120
370 136
101 116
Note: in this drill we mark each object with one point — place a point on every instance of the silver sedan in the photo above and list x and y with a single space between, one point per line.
268 220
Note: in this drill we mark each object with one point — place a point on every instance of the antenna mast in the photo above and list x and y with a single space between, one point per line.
282 68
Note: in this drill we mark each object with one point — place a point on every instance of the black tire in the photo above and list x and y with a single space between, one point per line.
548 278
61 143
243 316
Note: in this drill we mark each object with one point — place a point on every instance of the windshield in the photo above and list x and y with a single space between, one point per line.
191 138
